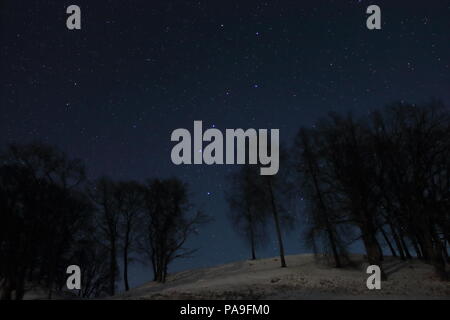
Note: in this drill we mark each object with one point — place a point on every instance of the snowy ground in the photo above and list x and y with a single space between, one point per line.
304 278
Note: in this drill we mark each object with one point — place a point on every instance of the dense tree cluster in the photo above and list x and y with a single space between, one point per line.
51 217
383 180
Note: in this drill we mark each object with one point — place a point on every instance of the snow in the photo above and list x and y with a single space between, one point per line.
304 278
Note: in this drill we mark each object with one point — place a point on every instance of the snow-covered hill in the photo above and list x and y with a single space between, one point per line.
304 278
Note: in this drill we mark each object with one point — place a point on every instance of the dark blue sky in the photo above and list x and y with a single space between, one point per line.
112 92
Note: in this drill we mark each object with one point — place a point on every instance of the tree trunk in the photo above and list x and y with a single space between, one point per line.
165 272
388 242
112 268
125 262
252 236
372 246
417 248
380 249
277 225
438 258
253 246
313 169
444 248
337 260
405 247
397 242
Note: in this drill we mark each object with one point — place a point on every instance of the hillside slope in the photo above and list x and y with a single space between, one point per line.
302 279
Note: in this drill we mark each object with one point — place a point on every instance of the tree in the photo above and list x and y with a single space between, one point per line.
323 220
168 222
246 212
413 144
129 197
43 211
278 191
103 195
350 154
267 196
93 259
387 178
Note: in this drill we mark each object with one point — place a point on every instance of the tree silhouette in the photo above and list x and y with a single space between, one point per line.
168 222
323 220
247 214
102 193
129 197
386 176
268 198
42 211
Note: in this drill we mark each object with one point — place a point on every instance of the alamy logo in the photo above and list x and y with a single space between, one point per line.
73 22
74 280
374 280
374 20
235 142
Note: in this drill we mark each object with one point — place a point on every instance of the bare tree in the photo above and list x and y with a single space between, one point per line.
129 197
168 222
271 196
413 145
247 212
43 212
323 220
93 258
388 177
103 194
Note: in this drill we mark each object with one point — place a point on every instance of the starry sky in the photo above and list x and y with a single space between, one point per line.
112 92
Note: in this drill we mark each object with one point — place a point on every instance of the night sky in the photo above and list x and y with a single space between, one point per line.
112 92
